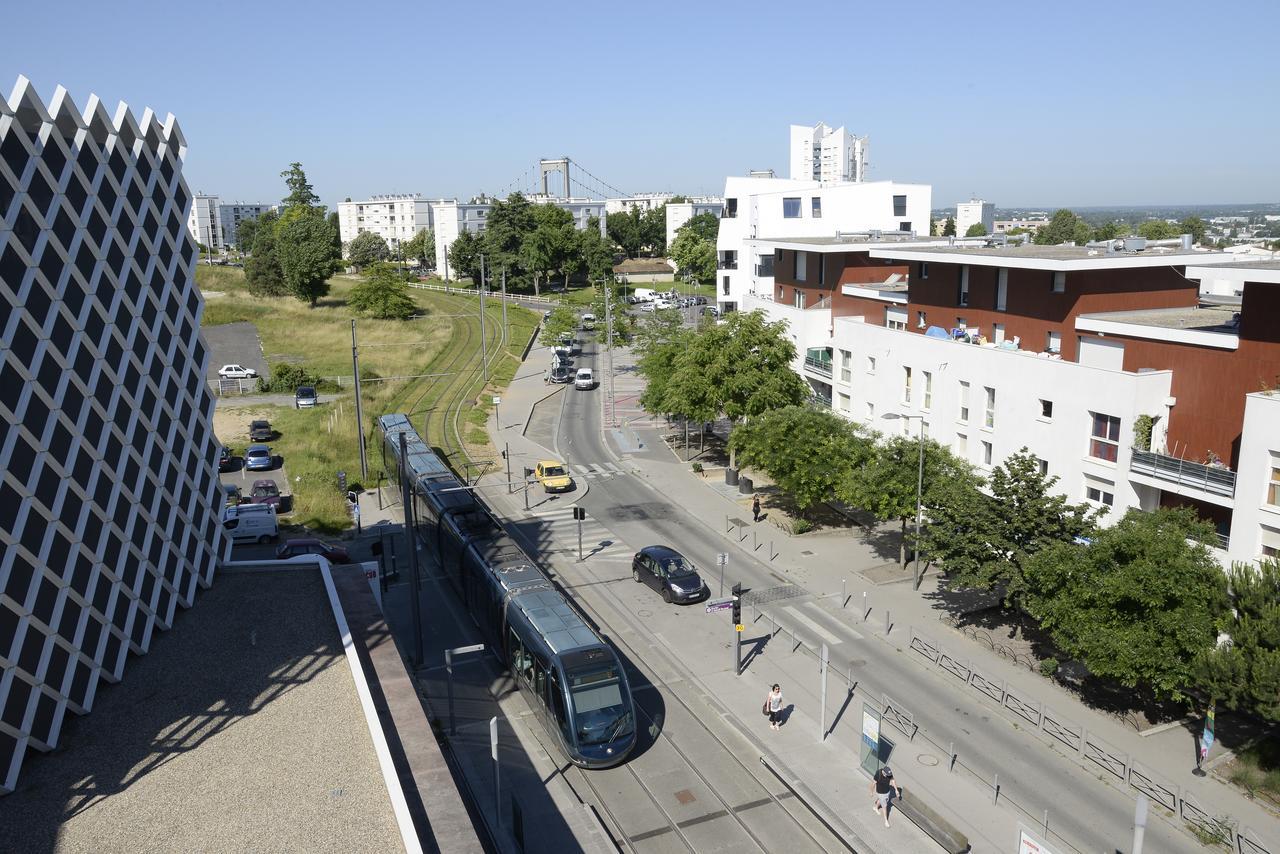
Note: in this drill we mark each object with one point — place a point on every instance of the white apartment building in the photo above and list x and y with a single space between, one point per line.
204 223
779 207
974 212
641 202
452 217
394 218
679 213
819 153
230 217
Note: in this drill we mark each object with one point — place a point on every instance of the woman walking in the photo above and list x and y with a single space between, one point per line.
773 706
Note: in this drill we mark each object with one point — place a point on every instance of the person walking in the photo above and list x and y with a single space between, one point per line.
773 707
884 787
755 508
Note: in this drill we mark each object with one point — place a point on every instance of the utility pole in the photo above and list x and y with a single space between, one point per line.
355 368
484 361
414 581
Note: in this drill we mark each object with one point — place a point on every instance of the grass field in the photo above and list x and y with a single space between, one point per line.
429 368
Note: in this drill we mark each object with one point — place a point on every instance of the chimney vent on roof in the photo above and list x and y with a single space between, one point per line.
1186 242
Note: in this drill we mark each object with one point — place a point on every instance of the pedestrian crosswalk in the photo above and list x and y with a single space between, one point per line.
557 528
598 471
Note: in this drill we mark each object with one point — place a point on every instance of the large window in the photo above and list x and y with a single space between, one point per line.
964 402
799 298
802 266
845 405
791 208
1273 488
1002 290
899 205
730 208
815 207
961 446
986 454
846 366
1105 441
906 385
1100 491
990 420
962 295
928 390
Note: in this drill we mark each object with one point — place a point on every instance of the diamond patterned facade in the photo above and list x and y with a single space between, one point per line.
108 477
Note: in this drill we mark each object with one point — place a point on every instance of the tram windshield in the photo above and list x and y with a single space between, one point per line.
600 713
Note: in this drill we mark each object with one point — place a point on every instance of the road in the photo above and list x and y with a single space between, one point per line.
625 513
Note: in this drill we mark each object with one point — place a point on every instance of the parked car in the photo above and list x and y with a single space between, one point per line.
711 310
230 495
226 459
266 492
546 315
305 397
588 321
236 372
258 458
670 573
559 360
699 300
294 548
253 522
260 431
662 303
553 476
585 379
648 306
561 375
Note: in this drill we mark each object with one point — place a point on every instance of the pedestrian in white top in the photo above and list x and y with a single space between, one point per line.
773 705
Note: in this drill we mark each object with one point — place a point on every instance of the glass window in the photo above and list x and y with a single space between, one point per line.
1059 283
906 385
791 208
1100 492
802 266
845 405
1105 437
1273 488
962 445
986 453
799 298
899 205
924 269
962 298
921 323
964 402
1002 290
1046 409
928 390
846 366
990 419
1053 342
815 208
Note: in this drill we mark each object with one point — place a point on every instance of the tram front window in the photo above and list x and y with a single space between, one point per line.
599 712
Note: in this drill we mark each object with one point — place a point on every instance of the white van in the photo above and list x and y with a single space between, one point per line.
644 294
585 379
251 523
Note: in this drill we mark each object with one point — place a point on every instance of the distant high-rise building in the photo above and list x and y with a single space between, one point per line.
394 218
109 492
230 217
819 153
974 212
204 223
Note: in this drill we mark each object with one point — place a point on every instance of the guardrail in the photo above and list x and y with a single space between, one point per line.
491 294
817 366
1219 481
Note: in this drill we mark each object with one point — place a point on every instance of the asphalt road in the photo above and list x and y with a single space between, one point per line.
1083 810
234 344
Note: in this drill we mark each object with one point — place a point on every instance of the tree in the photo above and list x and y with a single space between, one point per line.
1157 229
1194 226
594 252
548 246
563 319
421 246
653 230
949 227
334 224
304 244
262 271
246 231
705 225
1111 230
694 255
367 249
1244 672
382 294
1139 604
808 452
624 229
506 226
988 541
301 193
886 485
976 230
464 255
1064 226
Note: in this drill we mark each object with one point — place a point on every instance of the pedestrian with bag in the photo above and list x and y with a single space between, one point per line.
884 787
755 508
773 707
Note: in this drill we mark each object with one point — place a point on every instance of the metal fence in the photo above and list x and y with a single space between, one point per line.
1219 481
491 294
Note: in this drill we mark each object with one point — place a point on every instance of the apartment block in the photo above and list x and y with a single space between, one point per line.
679 213
819 153
230 217
394 218
109 493
975 212
204 223
452 218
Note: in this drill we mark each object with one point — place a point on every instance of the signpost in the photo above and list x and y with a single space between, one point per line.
870 738
722 560
724 603
497 422
448 669
579 513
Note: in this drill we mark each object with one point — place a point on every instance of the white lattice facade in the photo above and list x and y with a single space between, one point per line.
108 483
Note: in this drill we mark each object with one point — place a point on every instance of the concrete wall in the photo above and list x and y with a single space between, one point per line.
1256 522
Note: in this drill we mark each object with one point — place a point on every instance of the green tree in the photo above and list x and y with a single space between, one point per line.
304 244
886 485
1111 230
507 224
705 225
976 230
594 252
624 229
678 200
1194 226
336 227
382 294
563 319
1158 229
547 248
1063 226
808 452
421 246
949 227
262 273
694 255
653 230
1139 604
366 249
988 541
246 231
1244 672
464 256
301 193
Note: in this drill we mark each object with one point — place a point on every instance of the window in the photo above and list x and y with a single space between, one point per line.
920 321
791 208
725 285
899 205
928 390
906 385
846 366
1044 466
1002 290
892 322
962 445
1059 283
904 226
1053 342
802 266
1273 488
845 405
871 364
962 292
1105 443
798 298
1270 541
1099 491
964 402
990 418
986 453
924 269
730 208
815 207
1046 410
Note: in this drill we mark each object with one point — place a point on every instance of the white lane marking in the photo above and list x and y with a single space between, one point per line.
822 633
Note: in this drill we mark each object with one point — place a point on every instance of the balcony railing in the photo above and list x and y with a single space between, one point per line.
727 264
1219 481
818 366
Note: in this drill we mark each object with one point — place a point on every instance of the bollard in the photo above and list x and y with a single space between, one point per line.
951 753
996 786
864 606
886 621
844 593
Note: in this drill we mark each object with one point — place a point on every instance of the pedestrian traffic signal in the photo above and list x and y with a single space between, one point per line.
737 605
580 513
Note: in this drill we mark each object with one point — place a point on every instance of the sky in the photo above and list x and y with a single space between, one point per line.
1028 105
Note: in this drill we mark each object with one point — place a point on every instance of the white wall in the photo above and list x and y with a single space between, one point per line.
1253 518
393 219
680 213
975 211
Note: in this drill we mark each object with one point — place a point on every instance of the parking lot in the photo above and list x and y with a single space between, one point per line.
234 344
244 479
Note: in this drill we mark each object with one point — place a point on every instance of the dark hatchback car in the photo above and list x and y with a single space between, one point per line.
561 375
266 492
293 548
670 573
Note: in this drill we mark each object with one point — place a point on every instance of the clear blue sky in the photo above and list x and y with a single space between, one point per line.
1022 103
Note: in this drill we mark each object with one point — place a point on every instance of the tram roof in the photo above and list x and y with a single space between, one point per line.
421 461
560 626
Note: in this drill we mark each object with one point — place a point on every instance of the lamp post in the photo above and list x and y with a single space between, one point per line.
896 416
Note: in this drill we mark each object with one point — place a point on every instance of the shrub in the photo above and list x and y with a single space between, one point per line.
697 468
285 378
1049 667
801 526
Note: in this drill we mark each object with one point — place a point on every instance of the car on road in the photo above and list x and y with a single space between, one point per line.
648 306
260 431
226 459
305 397
294 548
266 492
585 379
236 372
553 476
559 360
251 522
588 321
670 573
561 375
258 458
660 304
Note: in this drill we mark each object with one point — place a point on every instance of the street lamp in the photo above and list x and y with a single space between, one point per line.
896 416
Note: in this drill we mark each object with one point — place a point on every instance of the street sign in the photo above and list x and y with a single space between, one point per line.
722 559
738 627
496 400
722 604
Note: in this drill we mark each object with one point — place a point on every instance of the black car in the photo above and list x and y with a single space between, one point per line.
670 573
226 459
260 431
561 375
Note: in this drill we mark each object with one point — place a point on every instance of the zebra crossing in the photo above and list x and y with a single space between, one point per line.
598 471
558 527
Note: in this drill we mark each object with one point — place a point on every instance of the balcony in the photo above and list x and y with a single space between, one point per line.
818 361
727 264
1210 479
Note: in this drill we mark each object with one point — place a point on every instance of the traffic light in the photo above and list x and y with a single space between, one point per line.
737 603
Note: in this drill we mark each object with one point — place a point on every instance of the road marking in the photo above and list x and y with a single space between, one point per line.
823 633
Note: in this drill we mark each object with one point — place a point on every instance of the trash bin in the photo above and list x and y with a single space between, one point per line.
730 476
745 486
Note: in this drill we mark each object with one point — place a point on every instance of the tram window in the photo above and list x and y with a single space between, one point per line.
540 681
518 655
557 704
